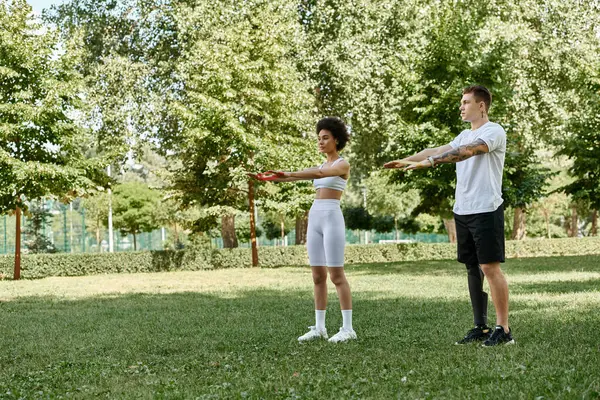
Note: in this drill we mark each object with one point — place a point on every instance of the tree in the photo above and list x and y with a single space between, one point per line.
134 206
276 226
38 218
577 22
287 200
526 183
242 227
121 43
389 199
96 208
127 48
508 47
541 76
357 218
179 219
547 215
582 148
41 147
242 106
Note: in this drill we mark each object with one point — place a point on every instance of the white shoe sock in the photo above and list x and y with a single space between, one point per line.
320 319
347 319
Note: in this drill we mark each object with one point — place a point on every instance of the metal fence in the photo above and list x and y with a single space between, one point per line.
352 237
69 233
70 230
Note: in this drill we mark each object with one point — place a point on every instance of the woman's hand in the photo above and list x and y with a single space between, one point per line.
279 174
274 176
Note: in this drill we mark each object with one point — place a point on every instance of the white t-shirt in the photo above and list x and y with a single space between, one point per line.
479 178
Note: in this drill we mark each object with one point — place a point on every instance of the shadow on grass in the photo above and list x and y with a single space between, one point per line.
444 267
554 264
511 266
558 287
243 344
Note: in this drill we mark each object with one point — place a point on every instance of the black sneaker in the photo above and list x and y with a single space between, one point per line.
499 337
477 334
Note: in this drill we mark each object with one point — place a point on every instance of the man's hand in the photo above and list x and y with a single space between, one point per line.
420 165
399 164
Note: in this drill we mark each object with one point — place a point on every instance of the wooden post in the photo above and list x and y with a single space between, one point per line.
252 223
17 274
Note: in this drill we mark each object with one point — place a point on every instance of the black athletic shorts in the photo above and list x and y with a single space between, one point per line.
480 237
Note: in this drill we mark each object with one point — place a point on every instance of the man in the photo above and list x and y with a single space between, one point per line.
478 211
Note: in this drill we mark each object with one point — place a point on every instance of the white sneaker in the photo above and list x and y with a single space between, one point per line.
343 335
313 334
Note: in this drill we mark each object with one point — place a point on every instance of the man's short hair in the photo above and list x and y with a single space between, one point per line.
481 93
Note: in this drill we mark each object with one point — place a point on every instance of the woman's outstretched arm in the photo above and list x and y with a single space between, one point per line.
340 169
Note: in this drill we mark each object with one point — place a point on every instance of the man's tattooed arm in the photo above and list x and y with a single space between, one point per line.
462 153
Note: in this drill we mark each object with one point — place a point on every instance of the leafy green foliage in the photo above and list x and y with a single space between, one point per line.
392 204
285 200
96 209
276 226
121 44
134 207
397 70
38 217
242 227
244 106
225 88
582 147
526 181
357 218
41 147
382 224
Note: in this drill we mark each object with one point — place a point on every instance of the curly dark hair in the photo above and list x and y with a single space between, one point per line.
337 128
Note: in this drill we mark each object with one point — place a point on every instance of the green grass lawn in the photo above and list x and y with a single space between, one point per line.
232 334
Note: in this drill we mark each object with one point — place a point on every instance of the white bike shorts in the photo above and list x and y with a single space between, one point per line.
326 235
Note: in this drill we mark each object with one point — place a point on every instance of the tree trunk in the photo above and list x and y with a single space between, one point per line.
98 237
594 229
176 229
395 228
134 242
451 229
228 231
547 221
252 224
17 273
519 224
301 228
574 219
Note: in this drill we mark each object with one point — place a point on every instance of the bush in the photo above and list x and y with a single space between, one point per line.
43 265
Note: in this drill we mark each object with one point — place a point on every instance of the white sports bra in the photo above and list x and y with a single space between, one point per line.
331 182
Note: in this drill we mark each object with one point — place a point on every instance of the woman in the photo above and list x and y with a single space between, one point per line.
326 236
